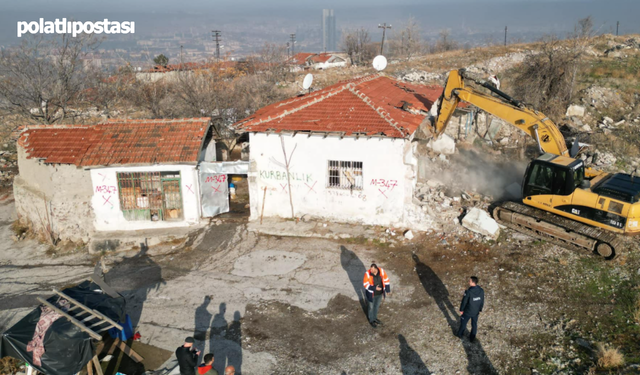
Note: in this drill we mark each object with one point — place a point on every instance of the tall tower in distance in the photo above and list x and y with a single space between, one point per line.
328 30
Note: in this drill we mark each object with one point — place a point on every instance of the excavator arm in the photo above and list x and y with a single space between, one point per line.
532 122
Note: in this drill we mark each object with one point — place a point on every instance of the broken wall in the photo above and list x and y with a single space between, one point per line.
57 194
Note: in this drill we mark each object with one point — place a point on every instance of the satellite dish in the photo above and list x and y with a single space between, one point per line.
308 80
379 63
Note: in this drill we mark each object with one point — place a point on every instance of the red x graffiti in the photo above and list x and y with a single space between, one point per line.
283 187
103 176
311 187
216 189
106 200
189 188
382 192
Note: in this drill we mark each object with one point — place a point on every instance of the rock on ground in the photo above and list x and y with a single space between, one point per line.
480 222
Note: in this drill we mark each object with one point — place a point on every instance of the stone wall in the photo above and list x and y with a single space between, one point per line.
58 196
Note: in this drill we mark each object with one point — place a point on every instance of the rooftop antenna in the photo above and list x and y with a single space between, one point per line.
306 83
379 63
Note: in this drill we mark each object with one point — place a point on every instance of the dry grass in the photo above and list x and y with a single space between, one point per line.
636 313
609 357
9 365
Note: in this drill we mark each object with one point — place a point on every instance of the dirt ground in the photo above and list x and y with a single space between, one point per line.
289 305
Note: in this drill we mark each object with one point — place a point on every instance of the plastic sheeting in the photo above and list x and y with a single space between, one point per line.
225 167
67 348
214 185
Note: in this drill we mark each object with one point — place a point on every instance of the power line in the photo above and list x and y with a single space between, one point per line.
384 28
293 44
505 36
216 37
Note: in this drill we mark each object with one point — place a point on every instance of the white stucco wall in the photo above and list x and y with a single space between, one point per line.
106 202
381 202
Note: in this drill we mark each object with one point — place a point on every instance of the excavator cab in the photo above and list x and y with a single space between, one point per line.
553 175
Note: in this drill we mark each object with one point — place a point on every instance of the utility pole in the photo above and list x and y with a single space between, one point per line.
617 27
288 50
293 44
505 36
384 28
216 37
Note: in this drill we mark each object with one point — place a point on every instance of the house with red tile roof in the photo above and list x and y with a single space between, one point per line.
343 153
118 175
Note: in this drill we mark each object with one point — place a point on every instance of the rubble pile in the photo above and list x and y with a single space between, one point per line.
422 76
620 50
498 64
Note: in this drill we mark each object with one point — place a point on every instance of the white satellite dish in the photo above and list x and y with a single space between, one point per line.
308 80
379 63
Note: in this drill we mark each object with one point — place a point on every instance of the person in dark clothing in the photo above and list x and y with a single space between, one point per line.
471 305
187 357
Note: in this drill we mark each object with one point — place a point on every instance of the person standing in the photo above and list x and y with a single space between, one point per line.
377 286
471 305
187 357
206 368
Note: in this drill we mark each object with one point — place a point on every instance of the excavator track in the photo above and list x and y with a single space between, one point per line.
563 232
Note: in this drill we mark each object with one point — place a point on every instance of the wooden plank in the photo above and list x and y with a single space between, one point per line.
113 346
89 368
91 311
130 352
96 362
104 329
70 318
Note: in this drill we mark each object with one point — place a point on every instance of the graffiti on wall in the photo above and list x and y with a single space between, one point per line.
107 192
282 176
384 186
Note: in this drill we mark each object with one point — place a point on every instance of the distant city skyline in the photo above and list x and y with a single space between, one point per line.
328 30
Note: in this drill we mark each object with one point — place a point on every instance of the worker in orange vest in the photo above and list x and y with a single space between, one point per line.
377 286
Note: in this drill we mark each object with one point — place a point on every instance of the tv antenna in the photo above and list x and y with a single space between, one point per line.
306 83
379 63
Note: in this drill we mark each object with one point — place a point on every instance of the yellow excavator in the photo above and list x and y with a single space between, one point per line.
563 202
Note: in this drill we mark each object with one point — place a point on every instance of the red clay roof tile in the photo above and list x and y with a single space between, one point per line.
117 142
371 105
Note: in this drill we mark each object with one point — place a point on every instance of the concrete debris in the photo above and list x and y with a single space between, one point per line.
586 128
604 159
443 157
480 222
602 98
575 110
443 145
408 235
434 183
422 76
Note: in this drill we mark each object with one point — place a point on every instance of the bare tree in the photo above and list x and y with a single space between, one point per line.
545 78
357 44
272 61
109 91
445 43
43 79
407 41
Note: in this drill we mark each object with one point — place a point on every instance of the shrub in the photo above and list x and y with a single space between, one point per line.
609 357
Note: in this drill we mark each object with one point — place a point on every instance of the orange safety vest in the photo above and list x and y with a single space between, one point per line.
370 288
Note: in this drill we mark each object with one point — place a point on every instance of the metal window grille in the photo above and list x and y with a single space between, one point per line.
345 175
151 196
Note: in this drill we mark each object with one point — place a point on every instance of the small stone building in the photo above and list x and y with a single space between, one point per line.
75 180
344 153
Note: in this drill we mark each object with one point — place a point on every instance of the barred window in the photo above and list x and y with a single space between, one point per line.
345 175
151 196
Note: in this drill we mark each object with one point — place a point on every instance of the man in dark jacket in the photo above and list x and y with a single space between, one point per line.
471 306
187 357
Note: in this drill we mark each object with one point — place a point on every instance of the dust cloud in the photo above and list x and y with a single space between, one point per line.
486 174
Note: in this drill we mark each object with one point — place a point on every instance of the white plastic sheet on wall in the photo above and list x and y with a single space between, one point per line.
214 185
